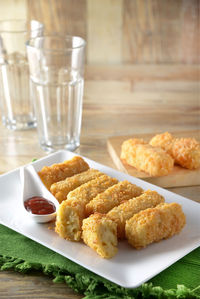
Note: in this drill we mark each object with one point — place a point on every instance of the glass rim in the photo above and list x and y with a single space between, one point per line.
57 36
23 21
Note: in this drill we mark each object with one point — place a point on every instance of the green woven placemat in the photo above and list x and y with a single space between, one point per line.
19 253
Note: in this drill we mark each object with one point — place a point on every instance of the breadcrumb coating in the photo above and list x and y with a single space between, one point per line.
112 197
72 211
58 172
185 151
61 189
155 224
100 233
144 157
164 141
126 210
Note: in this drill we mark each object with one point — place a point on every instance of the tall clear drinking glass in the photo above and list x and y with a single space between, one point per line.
16 106
56 71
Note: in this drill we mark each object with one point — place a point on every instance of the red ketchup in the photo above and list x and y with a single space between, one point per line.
39 206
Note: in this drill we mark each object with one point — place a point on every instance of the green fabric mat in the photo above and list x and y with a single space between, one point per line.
19 253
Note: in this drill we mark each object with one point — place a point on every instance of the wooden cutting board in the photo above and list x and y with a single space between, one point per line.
177 178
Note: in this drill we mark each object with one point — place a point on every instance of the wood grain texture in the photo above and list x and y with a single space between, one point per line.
177 178
190 35
126 31
143 72
33 285
157 31
120 31
65 17
104 34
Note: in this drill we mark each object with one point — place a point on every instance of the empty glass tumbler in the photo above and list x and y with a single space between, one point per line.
56 71
15 102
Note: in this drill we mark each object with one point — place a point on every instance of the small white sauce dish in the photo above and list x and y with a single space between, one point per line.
32 186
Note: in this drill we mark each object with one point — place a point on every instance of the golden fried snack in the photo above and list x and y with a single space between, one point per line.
61 189
185 151
112 197
155 224
144 157
72 211
100 233
164 141
126 210
58 172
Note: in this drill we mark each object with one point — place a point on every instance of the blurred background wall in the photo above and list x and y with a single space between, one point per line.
120 31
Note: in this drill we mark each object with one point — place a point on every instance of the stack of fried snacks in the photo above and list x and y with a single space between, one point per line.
100 233
126 210
185 151
112 197
60 171
144 157
72 211
155 224
117 209
61 189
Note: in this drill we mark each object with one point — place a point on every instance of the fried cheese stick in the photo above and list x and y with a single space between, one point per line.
185 151
112 197
71 212
61 189
100 233
126 210
58 172
144 157
155 224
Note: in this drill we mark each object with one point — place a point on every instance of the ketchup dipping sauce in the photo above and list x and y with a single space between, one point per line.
39 206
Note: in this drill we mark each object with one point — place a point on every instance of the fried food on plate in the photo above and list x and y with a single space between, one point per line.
155 224
72 211
112 197
144 157
100 233
61 189
126 210
185 151
57 172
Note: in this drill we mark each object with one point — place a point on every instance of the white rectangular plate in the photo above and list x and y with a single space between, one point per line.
129 268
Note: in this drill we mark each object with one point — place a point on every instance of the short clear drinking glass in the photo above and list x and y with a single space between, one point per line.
56 71
17 110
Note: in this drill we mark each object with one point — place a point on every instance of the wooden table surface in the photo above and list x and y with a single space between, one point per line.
118 100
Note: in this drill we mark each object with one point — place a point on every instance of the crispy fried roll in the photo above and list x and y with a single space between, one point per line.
127 209
72 211
58 172
61 189
69 220
144 157
100 233
155 224
185 151
164 141
112 197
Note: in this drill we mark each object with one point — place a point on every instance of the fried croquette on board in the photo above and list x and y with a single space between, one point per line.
61 189
60 171
154 224
144 157
112 197
185 151
72 211
100 233
126 210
